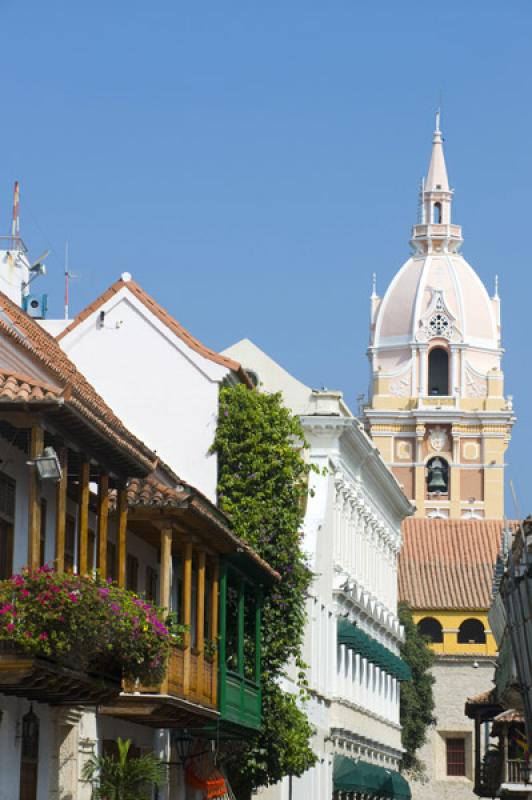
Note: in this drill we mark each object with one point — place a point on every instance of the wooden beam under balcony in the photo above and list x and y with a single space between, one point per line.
34 504
34 678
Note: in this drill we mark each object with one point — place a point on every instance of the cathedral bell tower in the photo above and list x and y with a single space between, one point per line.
437 410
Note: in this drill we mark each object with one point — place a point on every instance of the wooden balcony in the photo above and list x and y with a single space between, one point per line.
47 681
186 696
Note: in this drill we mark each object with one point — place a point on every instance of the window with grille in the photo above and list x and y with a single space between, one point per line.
456 756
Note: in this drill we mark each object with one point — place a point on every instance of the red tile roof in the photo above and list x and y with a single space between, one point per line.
24 388
448 564
151 493
165 317
73 392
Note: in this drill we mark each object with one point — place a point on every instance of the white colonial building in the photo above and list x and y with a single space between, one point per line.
352 539
140 358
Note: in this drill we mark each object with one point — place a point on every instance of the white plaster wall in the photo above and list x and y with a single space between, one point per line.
13 709
163 391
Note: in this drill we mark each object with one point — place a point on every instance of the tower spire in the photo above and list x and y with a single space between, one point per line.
435 233
437 180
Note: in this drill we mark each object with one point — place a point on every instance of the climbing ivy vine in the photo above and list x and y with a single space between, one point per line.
262 486
417 701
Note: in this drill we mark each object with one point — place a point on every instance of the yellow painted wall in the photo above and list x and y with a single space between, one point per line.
450 622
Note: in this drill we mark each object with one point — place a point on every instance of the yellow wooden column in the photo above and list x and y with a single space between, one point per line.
214 626
103 524
166 567
187 608
60 518
200 620
83 516
34 502
122 534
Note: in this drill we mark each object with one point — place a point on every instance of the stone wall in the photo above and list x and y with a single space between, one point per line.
456 680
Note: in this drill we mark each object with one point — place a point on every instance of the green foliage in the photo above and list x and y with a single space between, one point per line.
263 486
83 623
123 778
417 701
282 749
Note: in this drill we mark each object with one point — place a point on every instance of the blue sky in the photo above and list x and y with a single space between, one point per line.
252 163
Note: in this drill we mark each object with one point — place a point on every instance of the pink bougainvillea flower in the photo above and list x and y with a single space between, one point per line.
43 636
10 627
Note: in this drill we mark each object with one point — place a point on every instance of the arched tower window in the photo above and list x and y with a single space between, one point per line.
438 371
431 629
437 476
437 213
471 631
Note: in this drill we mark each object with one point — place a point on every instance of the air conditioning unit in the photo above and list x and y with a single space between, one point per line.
36 305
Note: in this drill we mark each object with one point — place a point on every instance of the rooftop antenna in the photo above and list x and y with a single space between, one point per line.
68 276
15 223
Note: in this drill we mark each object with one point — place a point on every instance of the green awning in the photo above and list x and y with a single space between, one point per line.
358 776
358 641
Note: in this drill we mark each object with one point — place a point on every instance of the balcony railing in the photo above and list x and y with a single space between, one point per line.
189 676
514 771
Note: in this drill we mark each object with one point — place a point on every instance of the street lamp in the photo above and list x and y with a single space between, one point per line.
47 465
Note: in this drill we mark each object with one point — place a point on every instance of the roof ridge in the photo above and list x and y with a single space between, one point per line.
164 316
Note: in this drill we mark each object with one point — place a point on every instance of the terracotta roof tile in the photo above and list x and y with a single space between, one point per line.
448 564
484 698
164 316
75 391
19 387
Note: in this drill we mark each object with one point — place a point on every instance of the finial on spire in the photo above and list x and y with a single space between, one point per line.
438 112
496 295
374 286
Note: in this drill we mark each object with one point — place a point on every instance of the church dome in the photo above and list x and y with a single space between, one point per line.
436 297
437 294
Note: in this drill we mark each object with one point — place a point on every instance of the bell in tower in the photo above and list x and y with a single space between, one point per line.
437 476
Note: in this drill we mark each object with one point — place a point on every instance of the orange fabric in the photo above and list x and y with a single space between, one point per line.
213 786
